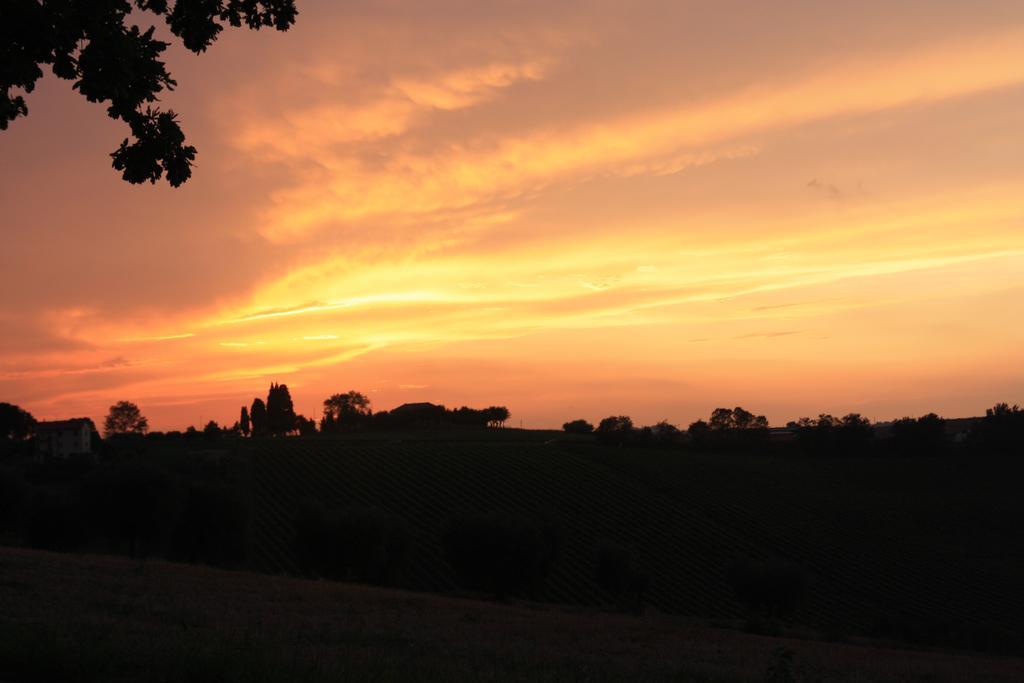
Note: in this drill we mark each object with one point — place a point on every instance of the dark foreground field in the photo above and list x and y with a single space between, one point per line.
925 549
89 618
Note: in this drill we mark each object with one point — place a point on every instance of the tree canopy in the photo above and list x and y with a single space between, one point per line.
114 62
280 410
125 418
15 422
344 412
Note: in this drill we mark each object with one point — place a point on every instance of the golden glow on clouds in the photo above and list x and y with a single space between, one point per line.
846 235
344 189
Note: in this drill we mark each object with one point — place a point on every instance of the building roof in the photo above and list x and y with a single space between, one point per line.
60 425
414 407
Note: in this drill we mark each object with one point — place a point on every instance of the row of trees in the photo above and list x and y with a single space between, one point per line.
726 426
351 411
130 507
275 416
1000 431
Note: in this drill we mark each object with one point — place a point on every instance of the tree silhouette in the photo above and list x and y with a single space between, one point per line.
243 422
1001 430
925 435
91 44
616 429
125 418
578 427
665 433
15 422
699 433
729 428
258 415
826 434
306 426
280 410
345 412
212 430
496 416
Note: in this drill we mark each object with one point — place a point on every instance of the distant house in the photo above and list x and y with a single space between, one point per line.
417 414
64 438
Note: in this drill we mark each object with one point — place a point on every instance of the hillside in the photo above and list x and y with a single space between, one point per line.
89 618
914 549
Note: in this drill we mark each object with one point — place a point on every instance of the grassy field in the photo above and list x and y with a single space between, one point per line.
89 618
919 549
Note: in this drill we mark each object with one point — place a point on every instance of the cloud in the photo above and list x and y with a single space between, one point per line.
409 181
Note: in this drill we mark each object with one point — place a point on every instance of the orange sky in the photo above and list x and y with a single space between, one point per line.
650 208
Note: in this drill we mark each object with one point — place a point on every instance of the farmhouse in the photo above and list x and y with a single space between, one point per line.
64 438
417 414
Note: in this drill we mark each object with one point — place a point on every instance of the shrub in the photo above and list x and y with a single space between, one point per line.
773 588
55 523
357 544
14 499
617 575
501 554
135 507
214 527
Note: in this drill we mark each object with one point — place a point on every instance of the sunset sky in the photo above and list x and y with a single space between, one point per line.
573 209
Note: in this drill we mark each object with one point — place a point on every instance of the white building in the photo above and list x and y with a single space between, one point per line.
64 438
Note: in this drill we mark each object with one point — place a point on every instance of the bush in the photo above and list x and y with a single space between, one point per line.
501 554
772 588
15 495
617 575
135 507
55 523
357 544
214 527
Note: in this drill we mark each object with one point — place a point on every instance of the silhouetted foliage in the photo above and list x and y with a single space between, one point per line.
243 422
280 410
501 554
618 576
15 423
345 412
699 433
616 429
925 435
306 426
828 435
773 588
726 419
136 507
730 428
578 427
496 416
214 527
258 415
124 418
112 62
665 434
55 522
15 496
1001 431
357 544
212 431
